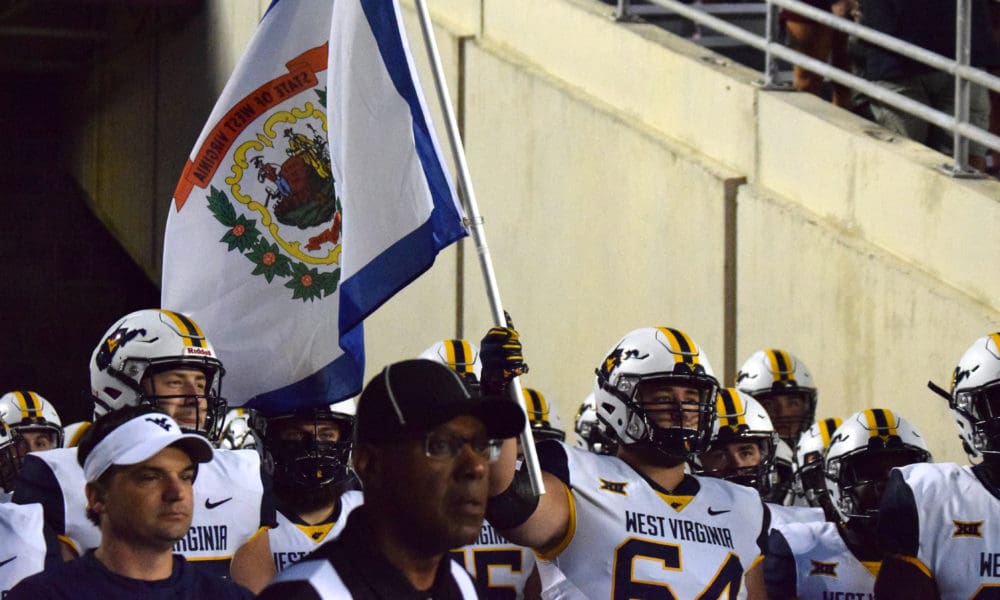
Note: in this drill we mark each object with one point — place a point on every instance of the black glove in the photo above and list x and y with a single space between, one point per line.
502 357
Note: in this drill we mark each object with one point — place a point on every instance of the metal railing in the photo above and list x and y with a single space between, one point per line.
964 74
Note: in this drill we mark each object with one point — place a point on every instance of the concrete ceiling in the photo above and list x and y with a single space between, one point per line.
63 36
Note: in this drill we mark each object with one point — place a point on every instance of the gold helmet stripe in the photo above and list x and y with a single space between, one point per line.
730 408
680 345
458 353
781 365
996 339
537 405
189 329
881 422
31 408
826 429
75 441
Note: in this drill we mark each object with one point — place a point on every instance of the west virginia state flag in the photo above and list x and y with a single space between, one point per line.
314 193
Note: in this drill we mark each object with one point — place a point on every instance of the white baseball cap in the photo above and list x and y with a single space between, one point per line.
140 439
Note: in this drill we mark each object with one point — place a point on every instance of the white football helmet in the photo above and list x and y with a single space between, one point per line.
975 396
862 452
240 430
740 420
771 376
73 433
26 411
590 434
304 463
461 356
810 480
642 362
146 342
11 458
545 422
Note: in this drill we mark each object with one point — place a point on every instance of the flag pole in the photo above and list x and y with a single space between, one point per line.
475 223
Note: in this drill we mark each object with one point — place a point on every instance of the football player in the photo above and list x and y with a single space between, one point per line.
311 452
743 450
590 432
810 474
840 559
26 545
501 568
633 525
73 433
461 356
545 422
939 523
162 358
240 430
784 386
35 422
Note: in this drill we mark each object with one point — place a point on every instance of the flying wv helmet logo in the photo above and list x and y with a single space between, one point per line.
961 374
279 205
114 342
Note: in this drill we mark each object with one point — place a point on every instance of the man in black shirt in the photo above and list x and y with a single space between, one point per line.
422 450
140 471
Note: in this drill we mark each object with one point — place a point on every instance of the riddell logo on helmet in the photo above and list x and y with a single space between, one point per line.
198 351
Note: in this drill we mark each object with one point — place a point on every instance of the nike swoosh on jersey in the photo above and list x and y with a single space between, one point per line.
210 505
717 512
2 563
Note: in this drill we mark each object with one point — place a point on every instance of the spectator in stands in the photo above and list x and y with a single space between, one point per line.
931 25
822 43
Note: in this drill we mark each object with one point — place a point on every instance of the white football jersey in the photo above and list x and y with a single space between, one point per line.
291 541
500 567
824 567
783 515
945 516
629 539
555 586
22 543
230 505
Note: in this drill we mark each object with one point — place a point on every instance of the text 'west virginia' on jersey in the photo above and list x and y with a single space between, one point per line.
949 518
811 560
230 504
292 540
627 538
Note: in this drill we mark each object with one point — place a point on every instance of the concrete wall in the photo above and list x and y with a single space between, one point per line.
631 178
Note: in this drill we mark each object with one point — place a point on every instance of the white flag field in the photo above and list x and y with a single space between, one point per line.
315 192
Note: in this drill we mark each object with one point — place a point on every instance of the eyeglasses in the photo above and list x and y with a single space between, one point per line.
445 446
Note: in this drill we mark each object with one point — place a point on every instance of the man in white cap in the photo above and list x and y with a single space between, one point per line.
140 471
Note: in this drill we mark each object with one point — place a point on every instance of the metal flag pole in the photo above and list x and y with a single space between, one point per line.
475 222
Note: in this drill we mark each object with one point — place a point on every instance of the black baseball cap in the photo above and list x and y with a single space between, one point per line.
418 395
